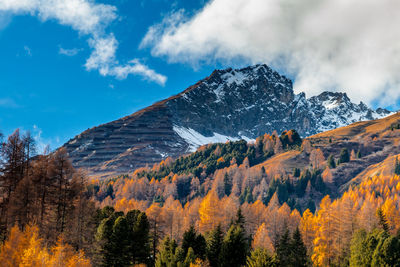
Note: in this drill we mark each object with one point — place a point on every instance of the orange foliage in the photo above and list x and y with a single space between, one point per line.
27 249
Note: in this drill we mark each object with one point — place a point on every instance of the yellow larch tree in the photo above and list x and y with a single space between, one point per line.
308 228
323 252
209 212
262 239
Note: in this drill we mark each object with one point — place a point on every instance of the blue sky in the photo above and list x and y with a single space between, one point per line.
66 66
43 90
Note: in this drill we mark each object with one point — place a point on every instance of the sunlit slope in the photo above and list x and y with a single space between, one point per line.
377 141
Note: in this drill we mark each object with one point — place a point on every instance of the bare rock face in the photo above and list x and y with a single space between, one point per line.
227 105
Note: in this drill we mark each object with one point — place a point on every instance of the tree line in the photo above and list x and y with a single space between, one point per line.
50 214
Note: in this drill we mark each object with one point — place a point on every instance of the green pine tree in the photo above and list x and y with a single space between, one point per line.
260 258
382 220
139 247
120 242
298 256
344 156
227 185
387 252
104 247
195 241
214 244
362 248
240 218
331 162
397 167
283 250
167 253
234 247
190 257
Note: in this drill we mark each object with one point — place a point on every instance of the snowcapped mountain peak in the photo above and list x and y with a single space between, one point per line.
230 104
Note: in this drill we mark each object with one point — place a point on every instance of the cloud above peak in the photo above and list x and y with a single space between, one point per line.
88 18
103 59
343 45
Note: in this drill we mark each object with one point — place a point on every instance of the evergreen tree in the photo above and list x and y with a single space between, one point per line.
260 258
167 253
283 250
139 241
234 247
190 257
362 248
382 220
195 241
227 185
120 243
387 252
240 218
344 156
214 244
358 253
331 162
298 250
397 167
189 239
105 248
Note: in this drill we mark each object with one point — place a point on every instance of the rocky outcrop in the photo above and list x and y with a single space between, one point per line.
228 105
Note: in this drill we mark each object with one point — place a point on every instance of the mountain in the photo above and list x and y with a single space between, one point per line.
230 104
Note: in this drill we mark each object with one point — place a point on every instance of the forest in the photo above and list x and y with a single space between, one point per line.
220 206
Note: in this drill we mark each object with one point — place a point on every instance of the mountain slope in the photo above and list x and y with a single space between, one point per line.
227 105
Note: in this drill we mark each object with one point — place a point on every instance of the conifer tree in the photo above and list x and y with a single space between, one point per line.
234 247
382 220
344 156
387 252
195 241
119 242
167 254
139 228
283 250
397 167
260 258
227 185
214 245
331 162
298 250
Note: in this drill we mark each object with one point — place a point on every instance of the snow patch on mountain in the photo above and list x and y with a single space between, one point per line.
196 139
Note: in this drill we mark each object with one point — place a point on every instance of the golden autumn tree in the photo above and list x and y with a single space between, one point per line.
323 253
26 248
209 212
308 228
262 239
13 249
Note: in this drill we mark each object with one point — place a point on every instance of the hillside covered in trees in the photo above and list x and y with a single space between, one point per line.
329 200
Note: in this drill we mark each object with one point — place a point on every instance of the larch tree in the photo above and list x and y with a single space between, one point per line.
209 212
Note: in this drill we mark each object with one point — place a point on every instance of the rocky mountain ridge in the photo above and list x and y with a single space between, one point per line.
230 104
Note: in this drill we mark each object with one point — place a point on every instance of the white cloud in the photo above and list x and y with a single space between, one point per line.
85 16
103 58
69 52
350 45
135 67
